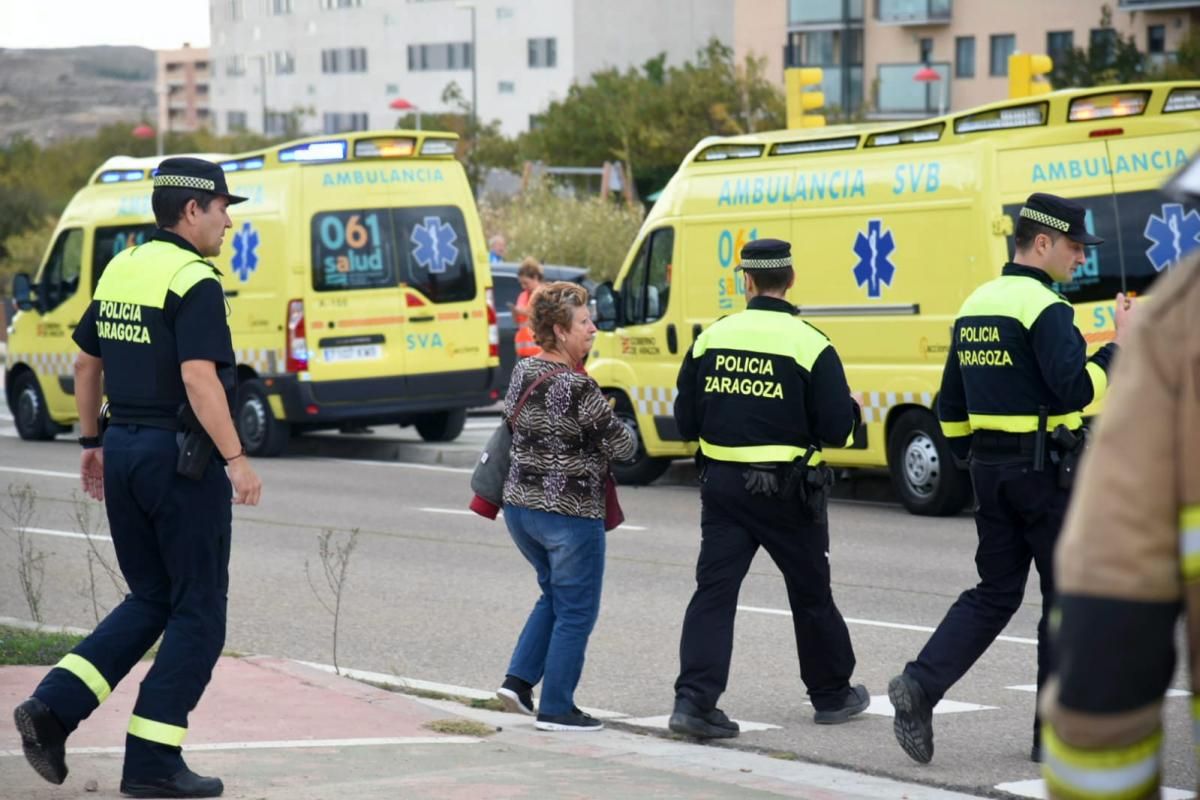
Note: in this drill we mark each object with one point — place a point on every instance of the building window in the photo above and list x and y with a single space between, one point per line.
336 122
234 66
431 57
282 63
1003 45
344 59
1156 39
926 47
964 57
333 5
504 12
1059 45
278 8
543 53
235 120
237 10
277 123
506 87
1104 45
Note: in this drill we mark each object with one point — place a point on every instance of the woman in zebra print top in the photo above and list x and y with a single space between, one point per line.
563 440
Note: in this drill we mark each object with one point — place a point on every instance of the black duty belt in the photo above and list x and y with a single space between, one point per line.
1001 443
165 423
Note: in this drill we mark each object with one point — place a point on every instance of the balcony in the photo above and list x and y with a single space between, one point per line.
898 96
1156 5
802 13
913 12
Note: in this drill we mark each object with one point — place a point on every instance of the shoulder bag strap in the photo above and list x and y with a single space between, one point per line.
525 395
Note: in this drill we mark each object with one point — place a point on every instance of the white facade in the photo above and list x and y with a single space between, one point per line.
347 60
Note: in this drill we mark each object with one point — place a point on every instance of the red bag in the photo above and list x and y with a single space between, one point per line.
613 515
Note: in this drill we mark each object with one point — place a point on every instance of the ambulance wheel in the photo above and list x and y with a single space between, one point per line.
262 434
922 467
32 416
444 426
643 469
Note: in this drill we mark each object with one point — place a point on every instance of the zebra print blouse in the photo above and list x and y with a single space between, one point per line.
562 442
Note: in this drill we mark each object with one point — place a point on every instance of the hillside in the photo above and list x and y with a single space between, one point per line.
48 95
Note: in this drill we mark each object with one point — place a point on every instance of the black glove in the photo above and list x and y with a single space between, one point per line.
761 481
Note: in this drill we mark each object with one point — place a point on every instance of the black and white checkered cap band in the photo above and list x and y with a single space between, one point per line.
184 182
765 263
1046 219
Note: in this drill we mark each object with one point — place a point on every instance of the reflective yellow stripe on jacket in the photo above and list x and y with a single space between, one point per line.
1023 423
758 453
1126 773
1189 542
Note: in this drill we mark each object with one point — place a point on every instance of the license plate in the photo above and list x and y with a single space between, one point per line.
354 352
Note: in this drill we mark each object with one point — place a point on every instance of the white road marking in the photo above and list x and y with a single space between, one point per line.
882 706
279 744
1032 687
68 534
878 624
1036 789
392 464
661 724
44 472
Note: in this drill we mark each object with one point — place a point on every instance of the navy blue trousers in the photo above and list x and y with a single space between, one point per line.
734 524
172 537
1018 521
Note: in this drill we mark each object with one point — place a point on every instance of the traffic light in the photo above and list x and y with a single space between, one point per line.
803 96
1028 74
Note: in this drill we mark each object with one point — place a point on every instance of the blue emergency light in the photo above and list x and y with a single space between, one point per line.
333 150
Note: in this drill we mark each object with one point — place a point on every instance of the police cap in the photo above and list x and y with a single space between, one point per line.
1060 214
766 254
184 172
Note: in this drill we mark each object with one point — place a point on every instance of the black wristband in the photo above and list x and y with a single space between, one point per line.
89 442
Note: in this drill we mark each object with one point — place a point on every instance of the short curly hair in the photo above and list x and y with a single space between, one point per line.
553 304
531 268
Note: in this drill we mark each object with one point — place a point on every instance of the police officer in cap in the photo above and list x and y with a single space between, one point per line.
1016 380
156 332
761 391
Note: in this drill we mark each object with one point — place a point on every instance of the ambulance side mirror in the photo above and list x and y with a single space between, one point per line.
22 291
607 303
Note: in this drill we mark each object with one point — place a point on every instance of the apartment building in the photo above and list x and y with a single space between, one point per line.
334 65
183 89
872 50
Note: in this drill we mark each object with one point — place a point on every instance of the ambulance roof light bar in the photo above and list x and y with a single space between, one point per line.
1027 116
724 152
330 150
1182 100
818 146
1107 106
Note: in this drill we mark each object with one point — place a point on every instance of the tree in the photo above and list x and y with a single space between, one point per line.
1107 60
1187 60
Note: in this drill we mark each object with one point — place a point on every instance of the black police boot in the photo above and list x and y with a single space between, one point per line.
43 739
689 720
1035 755
913 724
856 702
184 783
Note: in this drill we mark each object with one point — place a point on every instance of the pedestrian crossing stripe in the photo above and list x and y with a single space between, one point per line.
1032 687
1036 789
660 723
881 706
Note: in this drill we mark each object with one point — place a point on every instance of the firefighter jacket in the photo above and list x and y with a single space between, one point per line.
762 386
1015 350
1129 561
156 305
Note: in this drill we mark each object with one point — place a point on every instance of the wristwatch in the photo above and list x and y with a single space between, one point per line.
89 442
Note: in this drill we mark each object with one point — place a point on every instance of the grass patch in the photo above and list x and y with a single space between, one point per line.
784 755
460 727
34 648
491 704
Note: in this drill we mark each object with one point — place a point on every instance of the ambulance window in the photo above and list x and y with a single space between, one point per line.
434 253
110 241
353 250
647 287
60 277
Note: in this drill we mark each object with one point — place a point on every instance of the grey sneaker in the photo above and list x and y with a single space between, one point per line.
856 702
913 724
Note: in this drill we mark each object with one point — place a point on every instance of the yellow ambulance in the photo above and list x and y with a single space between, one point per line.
892 225
357 282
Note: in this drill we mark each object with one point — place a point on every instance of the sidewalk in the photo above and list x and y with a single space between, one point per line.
279 730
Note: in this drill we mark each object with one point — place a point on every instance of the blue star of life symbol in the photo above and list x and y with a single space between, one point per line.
435 248
245 260
873 249
1174 234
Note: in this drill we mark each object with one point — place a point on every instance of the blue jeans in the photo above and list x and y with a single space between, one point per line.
568 556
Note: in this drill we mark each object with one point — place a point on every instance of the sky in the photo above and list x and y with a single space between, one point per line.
156 24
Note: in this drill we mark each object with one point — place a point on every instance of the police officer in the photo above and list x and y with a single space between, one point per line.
156 331
761 391
1016 380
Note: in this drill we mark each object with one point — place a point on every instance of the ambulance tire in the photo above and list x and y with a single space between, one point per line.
443 426
31 415
262 435
643 469
923 471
